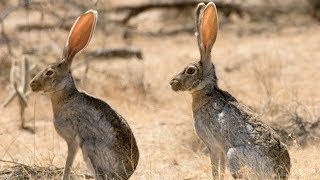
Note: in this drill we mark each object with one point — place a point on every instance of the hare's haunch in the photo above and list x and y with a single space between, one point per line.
106 140
230 131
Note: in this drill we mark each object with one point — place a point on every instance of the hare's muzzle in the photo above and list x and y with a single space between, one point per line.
35 86
175 84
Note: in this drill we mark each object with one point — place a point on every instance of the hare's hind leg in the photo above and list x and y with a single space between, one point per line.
283 164
104 163
247 162
217 162
93 163
234 163
222 167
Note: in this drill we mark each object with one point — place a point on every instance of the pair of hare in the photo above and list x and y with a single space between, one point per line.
229 130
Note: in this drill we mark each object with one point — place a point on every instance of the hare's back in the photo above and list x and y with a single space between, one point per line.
264 137
98 120
105 129
267 139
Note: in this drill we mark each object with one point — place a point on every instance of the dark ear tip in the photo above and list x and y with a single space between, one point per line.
199 7
200 4
92 11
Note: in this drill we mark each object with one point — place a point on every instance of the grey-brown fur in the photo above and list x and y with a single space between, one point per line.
232 133
105 138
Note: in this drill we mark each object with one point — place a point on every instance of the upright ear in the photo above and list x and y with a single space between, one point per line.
199 11
80 35
209 26
208 30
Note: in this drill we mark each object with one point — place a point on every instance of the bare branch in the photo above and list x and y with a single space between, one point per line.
120 52
20 4
8 101
22 98
21 91
162 32
8 11
135 9
24 74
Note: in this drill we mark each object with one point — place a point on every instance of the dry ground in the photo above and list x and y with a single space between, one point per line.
271 67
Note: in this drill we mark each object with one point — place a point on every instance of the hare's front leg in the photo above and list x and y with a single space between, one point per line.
217 164
222 166
73 147
234 164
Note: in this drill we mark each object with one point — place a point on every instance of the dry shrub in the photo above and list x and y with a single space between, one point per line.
22 171
296 125
293 121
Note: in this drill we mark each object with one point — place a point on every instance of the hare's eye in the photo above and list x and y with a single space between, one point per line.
49 73
191 70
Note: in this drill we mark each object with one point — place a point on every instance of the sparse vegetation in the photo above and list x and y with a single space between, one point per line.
270 65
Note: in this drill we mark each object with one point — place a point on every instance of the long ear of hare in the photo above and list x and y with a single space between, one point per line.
199 11
207 30
80 35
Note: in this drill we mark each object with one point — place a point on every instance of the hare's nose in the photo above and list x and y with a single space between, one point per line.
175 85
173 81
34 85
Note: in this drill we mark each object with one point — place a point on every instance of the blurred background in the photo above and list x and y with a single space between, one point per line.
266 55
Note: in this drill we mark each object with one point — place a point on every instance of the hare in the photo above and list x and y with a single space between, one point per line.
106 140
229 130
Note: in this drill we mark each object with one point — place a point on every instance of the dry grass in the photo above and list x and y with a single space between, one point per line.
269 71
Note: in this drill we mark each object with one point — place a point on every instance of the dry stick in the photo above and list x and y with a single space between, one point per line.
78 5
25 74
110 53
162 32
5 13
20 91
8 11
116 52
6 149
136 9
2 28
12 72
35 26
12 162
11 80
20 4
22 103
64 23
8 101
6 39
